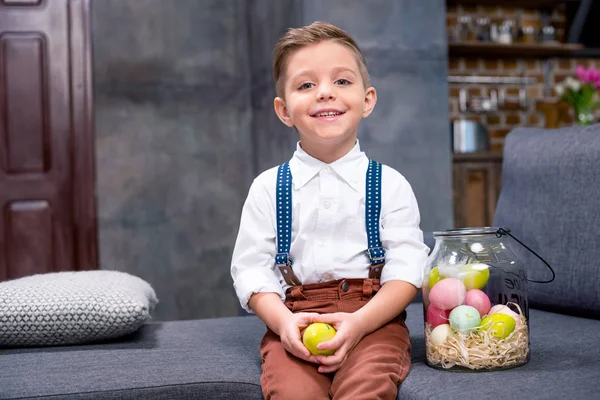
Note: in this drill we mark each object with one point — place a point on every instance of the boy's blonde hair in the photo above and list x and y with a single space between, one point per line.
297 38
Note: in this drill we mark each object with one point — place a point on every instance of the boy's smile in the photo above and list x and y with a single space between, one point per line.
325 98
328 114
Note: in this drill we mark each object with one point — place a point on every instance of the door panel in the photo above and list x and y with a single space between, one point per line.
28 225
47 218
23 94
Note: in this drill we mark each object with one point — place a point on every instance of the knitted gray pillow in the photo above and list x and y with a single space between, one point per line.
72 307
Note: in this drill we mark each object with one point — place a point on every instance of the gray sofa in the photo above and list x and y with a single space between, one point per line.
550 200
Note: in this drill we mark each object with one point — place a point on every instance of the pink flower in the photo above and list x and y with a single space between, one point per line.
581 73
593 75
589 75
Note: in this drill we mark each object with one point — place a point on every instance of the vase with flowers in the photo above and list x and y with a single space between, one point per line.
581 93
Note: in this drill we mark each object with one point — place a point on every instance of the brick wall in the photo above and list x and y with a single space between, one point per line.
500 122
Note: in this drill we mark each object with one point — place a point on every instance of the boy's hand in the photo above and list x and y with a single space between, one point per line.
290 334
349 333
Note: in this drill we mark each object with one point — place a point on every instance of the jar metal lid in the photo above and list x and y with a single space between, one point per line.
466 231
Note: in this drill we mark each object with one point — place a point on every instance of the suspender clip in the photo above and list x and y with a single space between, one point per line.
283 260
284 263
376 255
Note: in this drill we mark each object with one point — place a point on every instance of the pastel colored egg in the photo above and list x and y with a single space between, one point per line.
502 309
464 319
439 334
436 316
447 294
499 325
434 277
478 299
474 276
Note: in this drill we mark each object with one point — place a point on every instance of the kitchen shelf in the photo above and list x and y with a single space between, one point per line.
511 3
477 156
589 52
518 50
491 80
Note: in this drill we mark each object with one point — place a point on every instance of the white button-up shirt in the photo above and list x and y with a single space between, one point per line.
329 235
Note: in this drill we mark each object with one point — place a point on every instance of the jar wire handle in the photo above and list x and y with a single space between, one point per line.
502 231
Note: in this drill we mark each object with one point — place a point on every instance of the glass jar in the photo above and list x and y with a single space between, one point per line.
464 29
506 32
475 302
528 35
482 29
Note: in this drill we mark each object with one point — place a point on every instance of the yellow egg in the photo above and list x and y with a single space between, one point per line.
439 334
499 325
435 277
502 309
474 276
315 334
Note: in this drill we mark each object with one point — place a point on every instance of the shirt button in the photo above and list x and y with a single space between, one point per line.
327 204
322 243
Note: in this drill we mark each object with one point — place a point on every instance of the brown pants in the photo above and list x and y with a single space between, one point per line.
374 368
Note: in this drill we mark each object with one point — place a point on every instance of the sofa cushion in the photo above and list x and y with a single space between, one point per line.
199 359
549 199
72 307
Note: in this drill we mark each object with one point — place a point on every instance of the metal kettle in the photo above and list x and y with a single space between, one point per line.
469 136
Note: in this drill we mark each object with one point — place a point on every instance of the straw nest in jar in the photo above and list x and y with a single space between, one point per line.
480 349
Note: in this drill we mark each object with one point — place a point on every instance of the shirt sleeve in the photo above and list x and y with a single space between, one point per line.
253 260
406 253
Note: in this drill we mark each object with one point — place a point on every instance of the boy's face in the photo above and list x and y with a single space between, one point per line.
325 98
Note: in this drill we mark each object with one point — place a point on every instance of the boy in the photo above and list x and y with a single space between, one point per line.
300 253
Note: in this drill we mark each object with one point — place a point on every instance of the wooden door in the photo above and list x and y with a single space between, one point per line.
47 207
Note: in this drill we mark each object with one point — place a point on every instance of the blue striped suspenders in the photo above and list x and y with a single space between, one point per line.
284 225
375 251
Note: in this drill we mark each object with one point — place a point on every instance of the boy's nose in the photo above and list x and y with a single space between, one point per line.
325 93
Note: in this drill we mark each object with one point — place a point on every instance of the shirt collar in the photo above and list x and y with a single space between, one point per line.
304 167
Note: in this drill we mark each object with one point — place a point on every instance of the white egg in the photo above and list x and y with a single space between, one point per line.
439 334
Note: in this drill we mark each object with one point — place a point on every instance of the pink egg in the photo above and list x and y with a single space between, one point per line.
436 316
447 294
478 299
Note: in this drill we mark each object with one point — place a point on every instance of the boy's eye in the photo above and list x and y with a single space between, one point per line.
305 86
343 81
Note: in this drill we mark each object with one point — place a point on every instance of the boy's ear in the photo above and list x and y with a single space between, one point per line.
282 111
370 101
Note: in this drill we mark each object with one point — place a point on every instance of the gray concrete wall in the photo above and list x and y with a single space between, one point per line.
184 121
